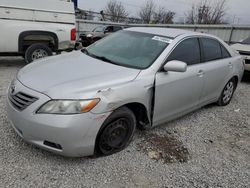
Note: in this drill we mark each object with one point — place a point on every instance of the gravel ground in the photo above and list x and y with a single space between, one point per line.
208 148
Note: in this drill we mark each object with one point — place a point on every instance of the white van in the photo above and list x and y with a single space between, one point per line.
35 29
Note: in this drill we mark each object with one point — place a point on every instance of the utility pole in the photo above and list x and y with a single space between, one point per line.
234 18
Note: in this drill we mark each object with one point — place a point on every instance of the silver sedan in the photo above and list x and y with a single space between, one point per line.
91 101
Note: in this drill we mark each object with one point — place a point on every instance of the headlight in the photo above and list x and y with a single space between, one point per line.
89 35
68 106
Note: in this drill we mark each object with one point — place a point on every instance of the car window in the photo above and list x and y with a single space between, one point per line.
116 28
187 51
109 29
211 49
225 53
99 29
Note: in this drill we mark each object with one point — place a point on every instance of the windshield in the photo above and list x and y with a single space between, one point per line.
129 49
99 29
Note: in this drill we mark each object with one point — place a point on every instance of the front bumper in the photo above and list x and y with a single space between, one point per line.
75 134
66 46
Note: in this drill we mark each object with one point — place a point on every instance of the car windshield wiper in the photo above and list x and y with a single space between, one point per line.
84 50
99 57
105 59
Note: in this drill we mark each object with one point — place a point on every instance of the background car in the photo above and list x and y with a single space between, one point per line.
98 33
244 49
36 30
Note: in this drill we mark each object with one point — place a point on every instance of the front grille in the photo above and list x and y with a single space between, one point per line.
21 100
247 61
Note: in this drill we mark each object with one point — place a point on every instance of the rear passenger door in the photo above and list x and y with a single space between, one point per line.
216 67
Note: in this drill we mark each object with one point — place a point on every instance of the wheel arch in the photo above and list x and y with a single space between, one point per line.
141 113
35 34
236 79
139 110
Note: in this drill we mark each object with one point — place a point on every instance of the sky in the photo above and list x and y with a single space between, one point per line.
237 10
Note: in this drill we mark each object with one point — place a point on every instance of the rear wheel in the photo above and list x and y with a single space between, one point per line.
227 93
37 51
116 132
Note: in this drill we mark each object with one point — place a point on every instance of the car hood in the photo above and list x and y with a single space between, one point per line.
241 47
70 75
95 33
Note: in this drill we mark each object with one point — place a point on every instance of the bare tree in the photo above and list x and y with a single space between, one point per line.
163 16
115 11
147 11
207 13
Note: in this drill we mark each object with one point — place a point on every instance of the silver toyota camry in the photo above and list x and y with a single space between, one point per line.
91 101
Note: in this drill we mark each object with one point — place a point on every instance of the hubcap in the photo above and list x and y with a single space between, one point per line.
228 92
38 54
115 136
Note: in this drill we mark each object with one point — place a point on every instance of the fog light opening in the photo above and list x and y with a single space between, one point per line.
52 145
20 132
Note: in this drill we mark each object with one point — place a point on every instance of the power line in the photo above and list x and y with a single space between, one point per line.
130 4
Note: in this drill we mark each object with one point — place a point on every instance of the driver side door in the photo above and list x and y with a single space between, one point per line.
177 93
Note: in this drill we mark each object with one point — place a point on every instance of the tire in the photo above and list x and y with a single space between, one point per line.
227 93
116 132
37 51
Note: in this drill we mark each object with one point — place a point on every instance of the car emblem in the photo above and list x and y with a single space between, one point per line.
12 89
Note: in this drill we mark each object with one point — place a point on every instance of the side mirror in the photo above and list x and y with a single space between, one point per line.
175 66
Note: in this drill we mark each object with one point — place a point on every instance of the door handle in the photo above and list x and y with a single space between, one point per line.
7 11
230 65
200 73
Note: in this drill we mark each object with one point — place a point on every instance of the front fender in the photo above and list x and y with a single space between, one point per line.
137 91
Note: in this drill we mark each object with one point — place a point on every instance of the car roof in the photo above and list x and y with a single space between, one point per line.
169 32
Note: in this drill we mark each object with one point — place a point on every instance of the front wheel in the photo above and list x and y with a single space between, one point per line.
37 51
227 93
116 132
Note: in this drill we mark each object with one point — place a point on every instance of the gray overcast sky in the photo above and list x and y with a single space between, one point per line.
237 8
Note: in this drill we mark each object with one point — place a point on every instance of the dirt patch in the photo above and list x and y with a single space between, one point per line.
166 147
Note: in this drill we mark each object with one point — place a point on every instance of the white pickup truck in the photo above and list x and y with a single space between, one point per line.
35 29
